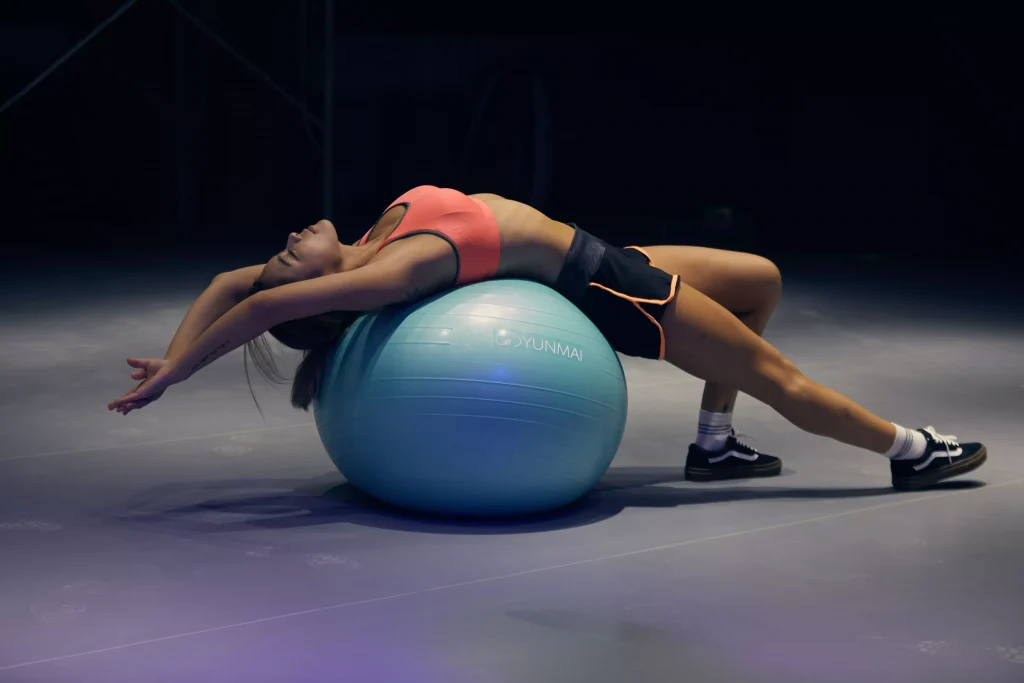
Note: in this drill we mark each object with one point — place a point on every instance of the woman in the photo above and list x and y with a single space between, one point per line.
702 310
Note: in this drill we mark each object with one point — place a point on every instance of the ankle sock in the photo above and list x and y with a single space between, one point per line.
909 444
713 430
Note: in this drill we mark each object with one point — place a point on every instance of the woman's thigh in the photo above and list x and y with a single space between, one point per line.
705 340
740 282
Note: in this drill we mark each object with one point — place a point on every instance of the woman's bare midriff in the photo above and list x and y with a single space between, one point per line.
533 246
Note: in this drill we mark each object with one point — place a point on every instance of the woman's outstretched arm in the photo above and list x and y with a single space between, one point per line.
362 289
225 291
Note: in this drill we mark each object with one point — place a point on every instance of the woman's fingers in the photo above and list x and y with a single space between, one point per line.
131 401
126 398
151 385
141 372
134 405
118 403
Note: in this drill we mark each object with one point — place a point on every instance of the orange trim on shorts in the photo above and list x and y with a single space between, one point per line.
636 302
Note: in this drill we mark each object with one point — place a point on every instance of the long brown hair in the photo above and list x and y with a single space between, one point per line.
315 336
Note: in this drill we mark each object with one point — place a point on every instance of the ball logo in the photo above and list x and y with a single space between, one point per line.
537 344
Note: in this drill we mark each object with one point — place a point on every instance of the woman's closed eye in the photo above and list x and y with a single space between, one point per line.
289 252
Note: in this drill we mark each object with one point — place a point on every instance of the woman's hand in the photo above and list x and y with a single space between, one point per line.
156 374
246 321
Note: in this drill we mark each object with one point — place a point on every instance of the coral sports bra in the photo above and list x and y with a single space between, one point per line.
466 223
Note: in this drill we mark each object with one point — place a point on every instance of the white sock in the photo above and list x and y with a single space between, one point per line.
713 430
909 444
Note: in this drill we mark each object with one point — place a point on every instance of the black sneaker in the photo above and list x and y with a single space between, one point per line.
735 460
943 458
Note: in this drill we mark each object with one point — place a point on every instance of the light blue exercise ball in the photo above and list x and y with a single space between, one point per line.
498 398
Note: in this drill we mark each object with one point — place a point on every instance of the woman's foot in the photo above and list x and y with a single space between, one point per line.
944 457
734 460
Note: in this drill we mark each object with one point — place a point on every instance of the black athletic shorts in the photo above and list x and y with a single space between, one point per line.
620 291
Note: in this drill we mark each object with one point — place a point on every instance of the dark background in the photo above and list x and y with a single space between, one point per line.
899 141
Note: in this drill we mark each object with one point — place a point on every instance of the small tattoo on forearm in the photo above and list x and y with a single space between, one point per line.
211 356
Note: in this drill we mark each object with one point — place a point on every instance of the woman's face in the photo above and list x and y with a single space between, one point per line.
311 253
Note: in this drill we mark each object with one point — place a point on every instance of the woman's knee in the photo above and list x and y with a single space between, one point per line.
779 380
752 285
769 279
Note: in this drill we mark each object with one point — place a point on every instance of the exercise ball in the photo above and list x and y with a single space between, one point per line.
493 399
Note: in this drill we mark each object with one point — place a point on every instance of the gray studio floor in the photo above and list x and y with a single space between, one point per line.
192 541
